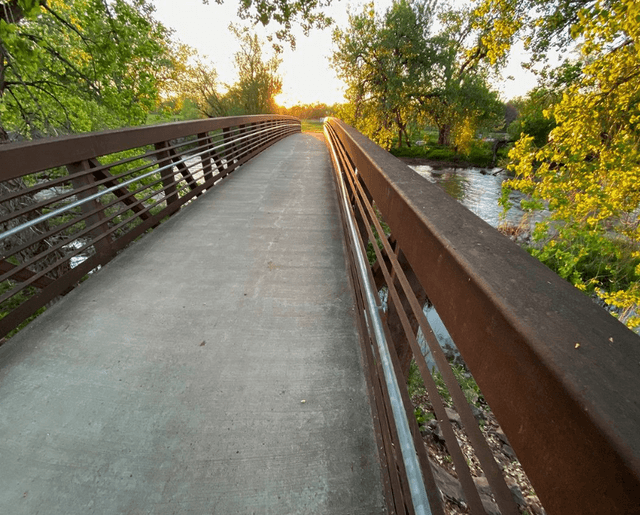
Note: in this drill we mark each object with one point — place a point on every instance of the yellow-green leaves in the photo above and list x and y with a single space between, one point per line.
589 170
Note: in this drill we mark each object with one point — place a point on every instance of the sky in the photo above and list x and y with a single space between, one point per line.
307 76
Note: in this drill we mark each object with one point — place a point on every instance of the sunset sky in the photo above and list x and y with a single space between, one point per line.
307 76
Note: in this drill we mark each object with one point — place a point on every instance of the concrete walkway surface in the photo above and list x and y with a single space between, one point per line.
212 368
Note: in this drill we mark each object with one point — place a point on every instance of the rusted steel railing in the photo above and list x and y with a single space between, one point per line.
68 205
561 375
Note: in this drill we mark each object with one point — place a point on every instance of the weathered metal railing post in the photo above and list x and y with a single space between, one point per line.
163 158
93 209
230 149
206 158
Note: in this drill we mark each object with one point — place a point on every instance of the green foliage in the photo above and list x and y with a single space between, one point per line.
254 91
588 171
468 385
423 417
376 56
13 302
308 111
305 13
175 109
415 384
312 126
400 74
81 66
479 153
442 153
594 262
531 119
258 80
535 118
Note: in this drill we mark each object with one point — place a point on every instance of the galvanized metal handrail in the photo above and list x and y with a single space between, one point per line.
103 190
559 373
414 475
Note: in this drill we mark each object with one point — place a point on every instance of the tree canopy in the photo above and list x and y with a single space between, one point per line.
400 72
80 66
588 169
254 91
307 14
258 81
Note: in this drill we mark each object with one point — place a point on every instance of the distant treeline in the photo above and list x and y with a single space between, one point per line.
309 111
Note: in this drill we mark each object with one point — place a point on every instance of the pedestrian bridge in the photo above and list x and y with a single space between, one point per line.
214 339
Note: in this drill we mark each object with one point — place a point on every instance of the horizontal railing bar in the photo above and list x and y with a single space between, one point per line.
79 219
567 409
79 250
24 158
210 143
453 446
87 215
62 227
103 167
77 203
73 192
76 220
82 232
89 198
430 485
481 448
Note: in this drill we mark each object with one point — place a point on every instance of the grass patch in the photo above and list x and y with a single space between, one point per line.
312 126
480 153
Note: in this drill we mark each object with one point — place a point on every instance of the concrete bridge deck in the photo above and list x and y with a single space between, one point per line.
213 367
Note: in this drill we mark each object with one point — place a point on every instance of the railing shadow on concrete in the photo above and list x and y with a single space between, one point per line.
561 375
69 205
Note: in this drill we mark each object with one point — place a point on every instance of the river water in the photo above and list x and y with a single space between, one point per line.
479 190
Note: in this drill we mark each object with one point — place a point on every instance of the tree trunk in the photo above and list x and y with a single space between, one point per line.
406 137
444 135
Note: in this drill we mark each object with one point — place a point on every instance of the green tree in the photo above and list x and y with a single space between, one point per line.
258 81
304 13
534 115
307 111
384 61
474 42
80 66
253 92
398 73
200 83
588 172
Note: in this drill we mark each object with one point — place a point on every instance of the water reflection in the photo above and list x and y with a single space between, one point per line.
454 184
479 190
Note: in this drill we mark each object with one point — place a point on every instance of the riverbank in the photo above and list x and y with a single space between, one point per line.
437 164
